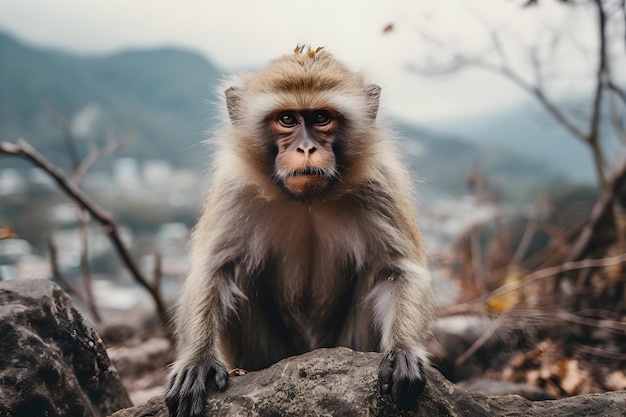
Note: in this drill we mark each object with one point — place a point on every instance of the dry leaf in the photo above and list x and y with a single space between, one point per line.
617 380
507 301
7 233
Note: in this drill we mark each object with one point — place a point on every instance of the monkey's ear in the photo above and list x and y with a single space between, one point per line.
373 95
232 103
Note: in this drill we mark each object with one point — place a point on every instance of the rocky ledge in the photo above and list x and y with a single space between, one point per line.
341 382
53 363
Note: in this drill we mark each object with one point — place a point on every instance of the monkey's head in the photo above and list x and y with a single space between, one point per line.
303 125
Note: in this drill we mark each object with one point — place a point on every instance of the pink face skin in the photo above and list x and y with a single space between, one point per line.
305 163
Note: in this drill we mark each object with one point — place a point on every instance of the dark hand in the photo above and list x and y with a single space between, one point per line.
187 393
401 374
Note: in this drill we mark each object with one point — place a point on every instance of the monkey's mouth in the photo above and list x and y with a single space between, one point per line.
307 171
306 182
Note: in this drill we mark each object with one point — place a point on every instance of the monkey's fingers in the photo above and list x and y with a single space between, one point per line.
402 375
385 372
221 378
187 393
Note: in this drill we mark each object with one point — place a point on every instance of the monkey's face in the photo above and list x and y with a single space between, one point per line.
303 126
305 163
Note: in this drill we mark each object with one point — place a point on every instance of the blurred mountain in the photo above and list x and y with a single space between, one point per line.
527 130
161 103
444 164
154 100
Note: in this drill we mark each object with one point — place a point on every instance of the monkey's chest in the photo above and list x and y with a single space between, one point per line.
311 242
316 253
313 300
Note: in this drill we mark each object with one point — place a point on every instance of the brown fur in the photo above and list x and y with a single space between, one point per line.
277 273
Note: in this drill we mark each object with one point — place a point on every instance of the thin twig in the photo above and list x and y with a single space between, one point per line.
92 157
613 326
493 326
476 258
602 78
82 215
531 279
158 270
602 353
66 130
535 91
56 272
522 247
79 168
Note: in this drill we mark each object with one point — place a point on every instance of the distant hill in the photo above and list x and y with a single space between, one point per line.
165 97
159 95
443 162
527 130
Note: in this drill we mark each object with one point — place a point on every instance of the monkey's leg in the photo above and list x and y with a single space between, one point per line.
199 366
403 311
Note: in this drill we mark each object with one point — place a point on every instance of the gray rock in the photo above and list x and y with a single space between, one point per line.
52 362
495 387
341 382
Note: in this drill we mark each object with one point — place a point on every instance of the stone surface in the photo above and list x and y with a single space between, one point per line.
52 362
341 382
142 366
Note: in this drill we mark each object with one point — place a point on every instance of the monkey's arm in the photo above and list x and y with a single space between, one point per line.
199 366
404 311
207 296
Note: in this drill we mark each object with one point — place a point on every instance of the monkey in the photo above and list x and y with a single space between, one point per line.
308 236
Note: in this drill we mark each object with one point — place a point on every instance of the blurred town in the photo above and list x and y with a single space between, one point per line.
146 194
145 197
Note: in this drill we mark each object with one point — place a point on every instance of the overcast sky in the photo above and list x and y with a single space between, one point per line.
237 34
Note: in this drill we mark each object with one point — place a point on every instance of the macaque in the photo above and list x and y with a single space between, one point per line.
307 239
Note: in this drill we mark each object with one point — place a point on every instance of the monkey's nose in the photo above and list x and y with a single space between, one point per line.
307 149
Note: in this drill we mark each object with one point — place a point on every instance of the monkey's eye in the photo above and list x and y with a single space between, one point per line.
322 117
287 119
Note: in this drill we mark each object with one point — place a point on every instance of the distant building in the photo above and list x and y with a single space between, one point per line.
157 174
126 173
11 182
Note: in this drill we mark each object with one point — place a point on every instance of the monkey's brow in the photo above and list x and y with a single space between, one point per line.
306 84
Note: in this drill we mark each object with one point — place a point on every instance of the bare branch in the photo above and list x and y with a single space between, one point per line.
623 6
617 119
617 90
589 135
602 353
92 157
56 272
531 279
534 90
602 78
602 206
66 130
82 217
613 326
522 247
158 270
484 338
23 149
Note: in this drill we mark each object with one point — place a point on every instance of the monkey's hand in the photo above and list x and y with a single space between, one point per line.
188 388
401 374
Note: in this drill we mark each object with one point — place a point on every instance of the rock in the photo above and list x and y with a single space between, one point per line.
52 362
497 387
142 366
455 335
342 382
